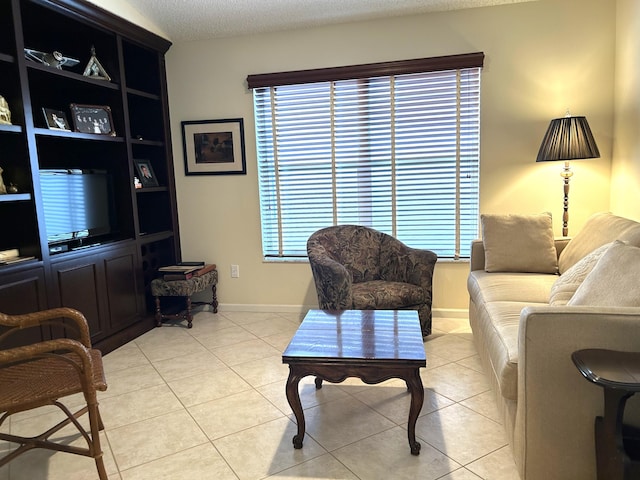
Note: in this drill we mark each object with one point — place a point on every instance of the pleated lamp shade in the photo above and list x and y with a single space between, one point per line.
568 138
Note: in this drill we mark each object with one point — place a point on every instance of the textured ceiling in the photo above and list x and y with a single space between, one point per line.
184 20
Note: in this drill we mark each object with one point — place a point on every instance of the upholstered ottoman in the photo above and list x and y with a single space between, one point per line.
184 288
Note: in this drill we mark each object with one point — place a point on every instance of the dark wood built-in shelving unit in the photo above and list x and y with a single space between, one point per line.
106 277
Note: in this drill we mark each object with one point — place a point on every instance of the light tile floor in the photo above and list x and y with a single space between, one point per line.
209 403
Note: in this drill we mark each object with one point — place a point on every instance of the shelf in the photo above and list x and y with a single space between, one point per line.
151 189
71 75
156 236
45 132
15 197
10 128
147 143
7 58
21 263
140 93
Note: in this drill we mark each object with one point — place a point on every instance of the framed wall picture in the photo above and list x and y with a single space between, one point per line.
214 147
145 173
92 119
56 119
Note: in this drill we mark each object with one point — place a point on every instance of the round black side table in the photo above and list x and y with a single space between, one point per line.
617 445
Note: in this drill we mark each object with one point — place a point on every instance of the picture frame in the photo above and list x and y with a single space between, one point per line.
145 173
96 119
56 119
214 147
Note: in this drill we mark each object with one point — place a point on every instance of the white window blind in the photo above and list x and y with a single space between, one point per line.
399 153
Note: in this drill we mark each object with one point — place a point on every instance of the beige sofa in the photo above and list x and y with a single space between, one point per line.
525 328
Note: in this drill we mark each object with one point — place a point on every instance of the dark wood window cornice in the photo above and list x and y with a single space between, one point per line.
369 70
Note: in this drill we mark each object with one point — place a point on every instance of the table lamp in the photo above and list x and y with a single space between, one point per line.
567 138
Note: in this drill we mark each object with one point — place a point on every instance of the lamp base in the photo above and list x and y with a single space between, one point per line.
566 174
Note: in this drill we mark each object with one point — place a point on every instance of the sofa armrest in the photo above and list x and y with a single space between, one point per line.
477 255
477 251
554 436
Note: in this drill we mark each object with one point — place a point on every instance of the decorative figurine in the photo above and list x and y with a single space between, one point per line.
55 59
12 188
94 68
3 189
5 113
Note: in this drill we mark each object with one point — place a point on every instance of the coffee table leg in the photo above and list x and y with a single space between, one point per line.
414 384
293 397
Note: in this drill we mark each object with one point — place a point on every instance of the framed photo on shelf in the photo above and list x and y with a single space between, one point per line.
56 119
145 173
214 147
92 119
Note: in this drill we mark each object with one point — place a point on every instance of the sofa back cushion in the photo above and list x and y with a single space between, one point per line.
519 243
599 229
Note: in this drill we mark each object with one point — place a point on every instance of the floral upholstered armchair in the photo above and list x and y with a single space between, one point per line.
359 268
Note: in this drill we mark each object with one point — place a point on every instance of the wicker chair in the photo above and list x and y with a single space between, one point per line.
33 375
359 268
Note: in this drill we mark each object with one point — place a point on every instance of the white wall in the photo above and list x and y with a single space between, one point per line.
625 183
541 58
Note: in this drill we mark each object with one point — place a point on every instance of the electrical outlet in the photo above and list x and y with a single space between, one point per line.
235 271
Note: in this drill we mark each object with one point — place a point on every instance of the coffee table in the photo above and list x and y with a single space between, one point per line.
373 345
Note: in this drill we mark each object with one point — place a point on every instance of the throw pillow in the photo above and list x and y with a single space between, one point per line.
519 243
567 284
614 280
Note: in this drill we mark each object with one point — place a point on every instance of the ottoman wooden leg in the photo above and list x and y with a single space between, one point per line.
214 300
189 316
158 313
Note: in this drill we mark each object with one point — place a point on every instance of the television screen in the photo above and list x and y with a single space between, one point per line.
77 204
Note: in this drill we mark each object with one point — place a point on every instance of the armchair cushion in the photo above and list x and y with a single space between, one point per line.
381 295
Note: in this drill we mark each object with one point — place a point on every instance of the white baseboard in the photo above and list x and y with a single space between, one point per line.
450 313
236 307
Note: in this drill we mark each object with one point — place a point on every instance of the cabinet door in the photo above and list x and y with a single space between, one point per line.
104 286
124 296
24 292
77 283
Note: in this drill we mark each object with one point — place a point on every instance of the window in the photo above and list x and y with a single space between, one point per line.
392 146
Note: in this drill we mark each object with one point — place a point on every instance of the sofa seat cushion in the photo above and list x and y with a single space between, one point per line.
381 295
500 331
510 287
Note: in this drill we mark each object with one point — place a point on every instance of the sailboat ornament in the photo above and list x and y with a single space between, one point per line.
94 68
54 59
